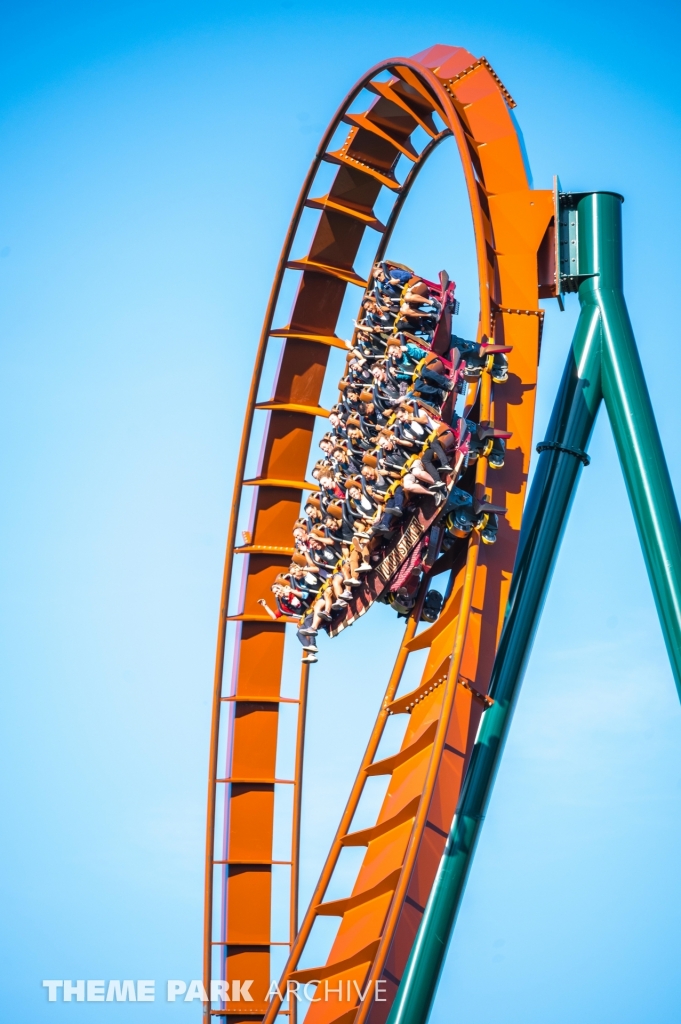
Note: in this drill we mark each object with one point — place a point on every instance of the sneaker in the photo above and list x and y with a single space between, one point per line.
346 595
324 616
308 632
310 659
364 567
311 647
338 605
438 486
354 583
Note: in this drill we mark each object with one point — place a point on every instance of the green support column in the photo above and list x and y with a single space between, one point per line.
632 418
603 361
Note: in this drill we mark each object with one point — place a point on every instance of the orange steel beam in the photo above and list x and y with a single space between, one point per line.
296 816
511 223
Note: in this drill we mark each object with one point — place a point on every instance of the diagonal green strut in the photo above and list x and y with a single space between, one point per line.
603 364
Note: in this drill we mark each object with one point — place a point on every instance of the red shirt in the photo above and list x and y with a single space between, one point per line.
289 604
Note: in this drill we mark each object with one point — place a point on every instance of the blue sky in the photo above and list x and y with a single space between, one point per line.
152 154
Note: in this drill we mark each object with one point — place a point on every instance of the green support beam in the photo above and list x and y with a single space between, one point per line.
603 363
633 426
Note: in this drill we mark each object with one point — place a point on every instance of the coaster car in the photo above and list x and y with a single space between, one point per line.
393 498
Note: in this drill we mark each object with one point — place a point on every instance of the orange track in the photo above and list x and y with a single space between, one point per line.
514 244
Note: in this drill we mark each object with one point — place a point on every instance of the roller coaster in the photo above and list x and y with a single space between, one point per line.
391 931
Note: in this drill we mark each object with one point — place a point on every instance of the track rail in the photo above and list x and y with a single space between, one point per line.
379 919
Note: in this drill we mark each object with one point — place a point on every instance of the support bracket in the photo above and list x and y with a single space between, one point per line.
554 446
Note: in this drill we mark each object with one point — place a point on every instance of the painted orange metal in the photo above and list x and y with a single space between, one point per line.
379 919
